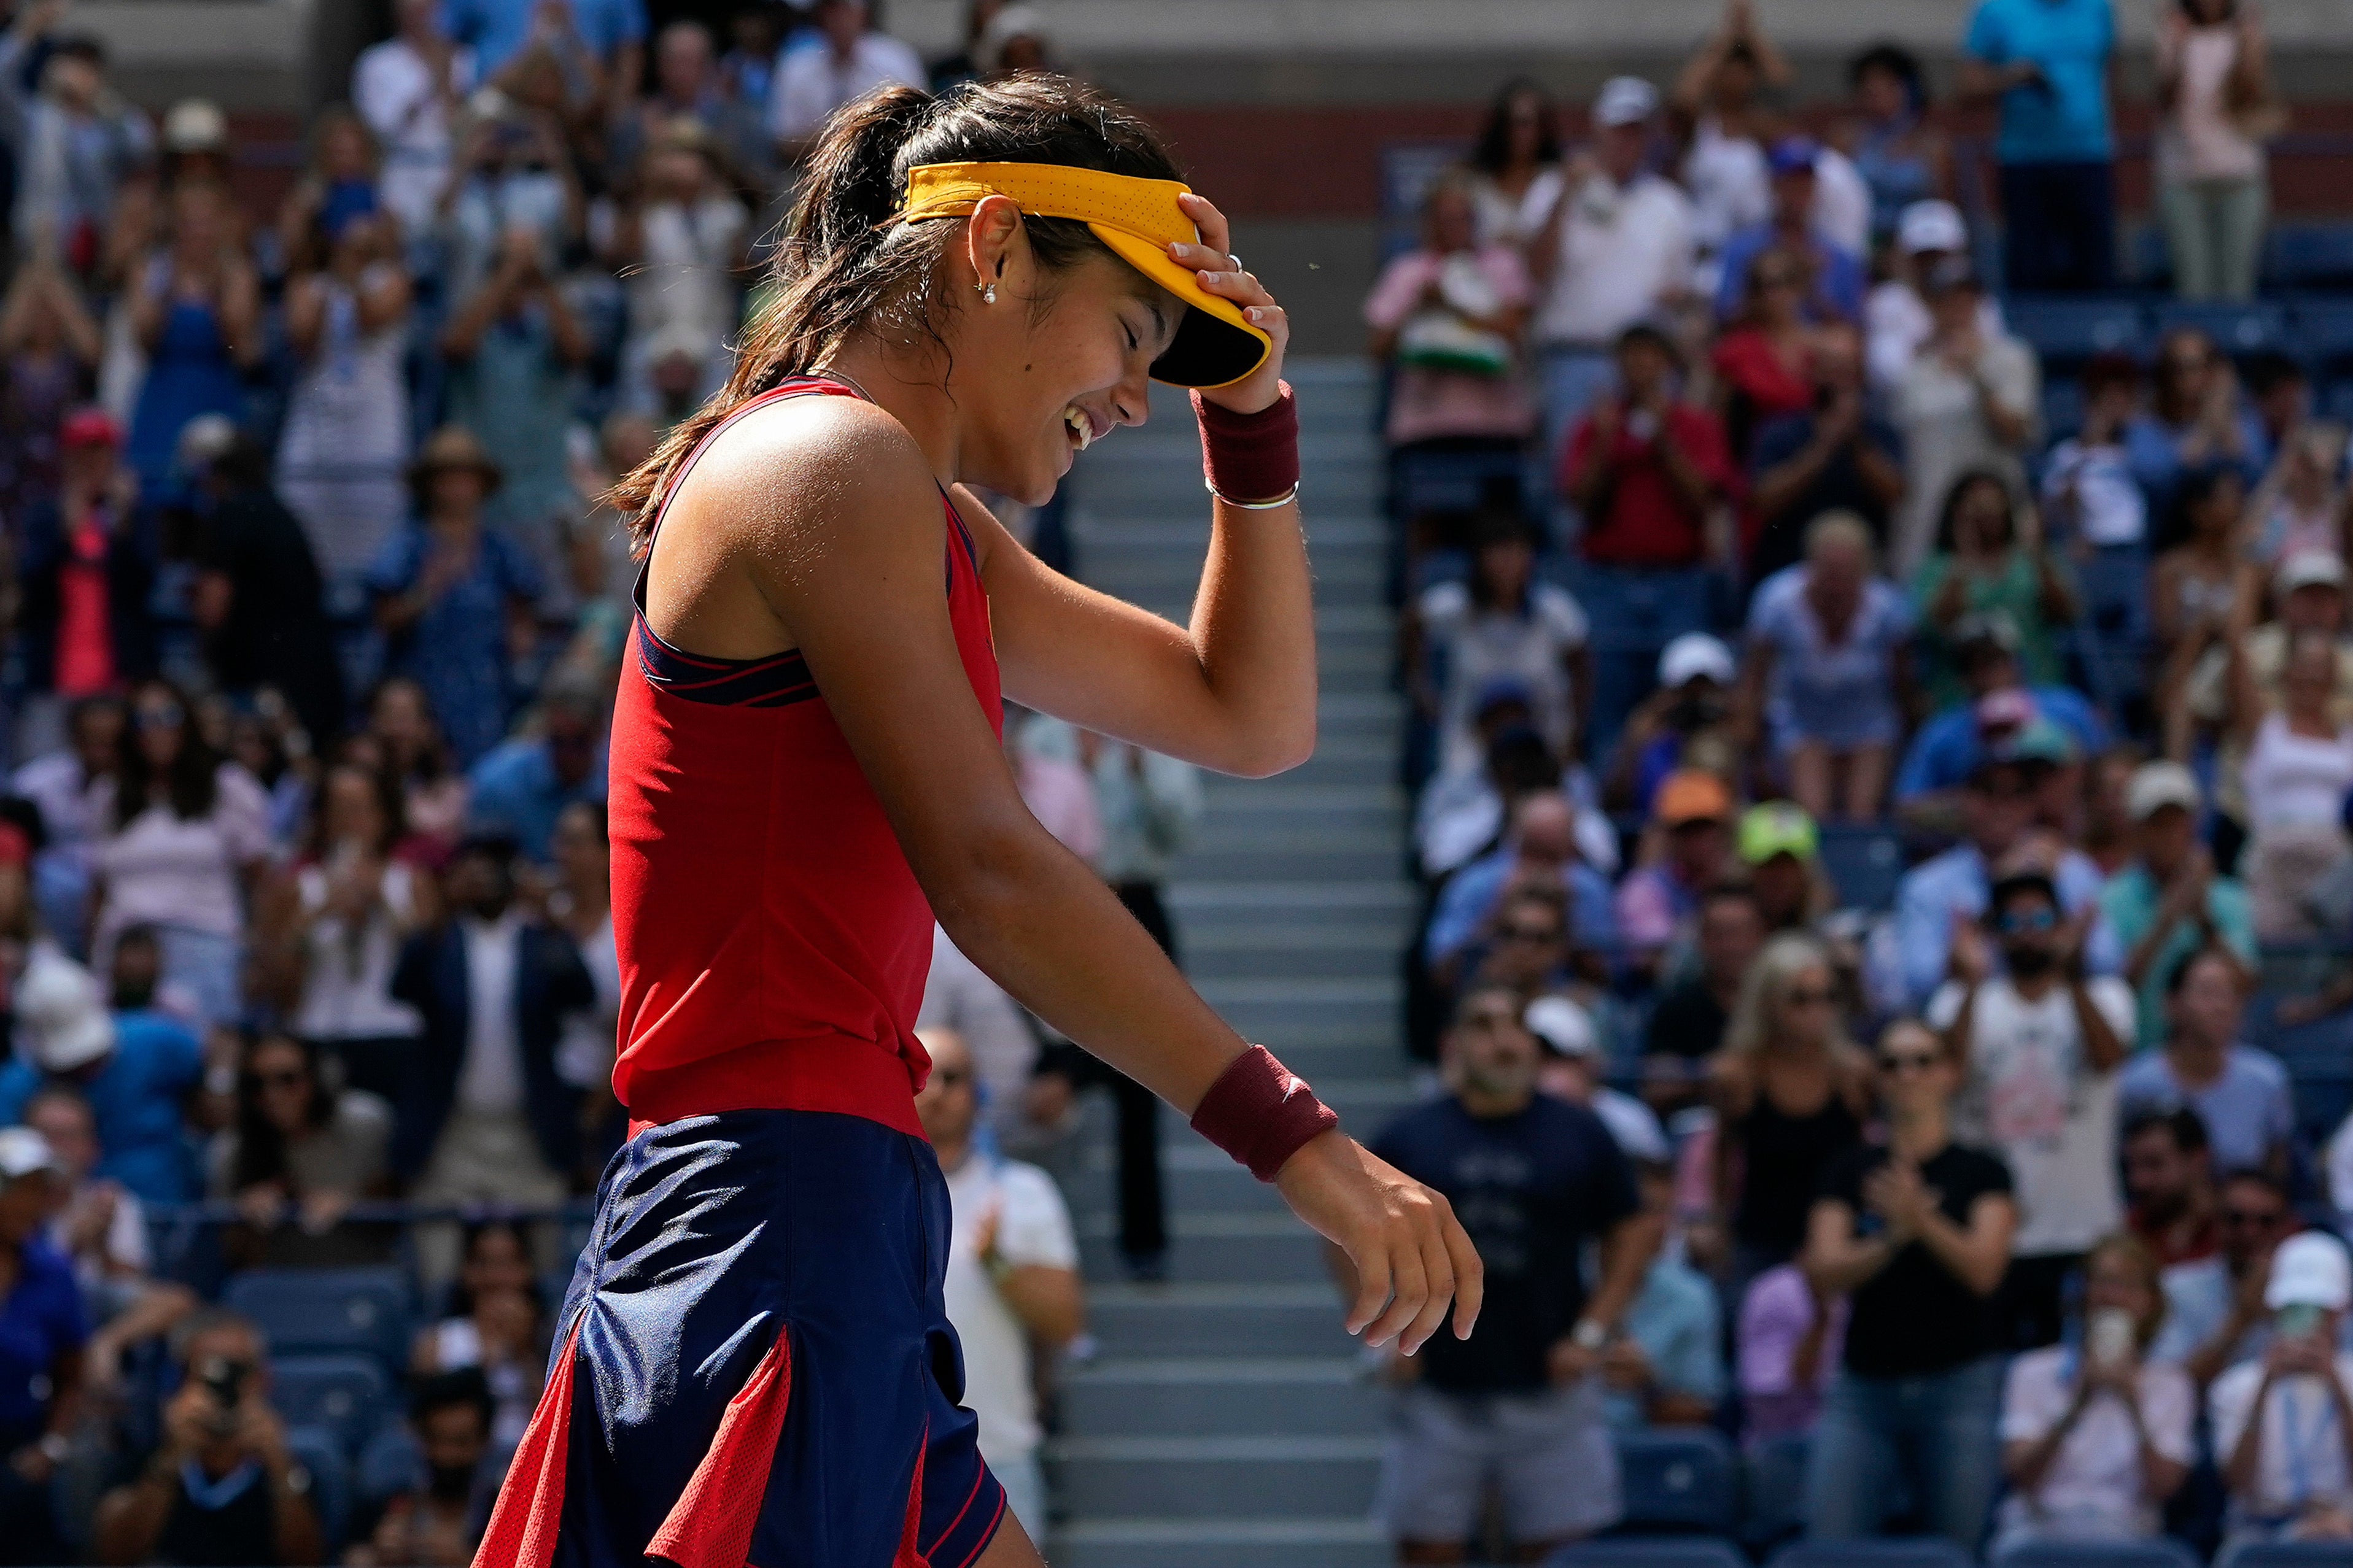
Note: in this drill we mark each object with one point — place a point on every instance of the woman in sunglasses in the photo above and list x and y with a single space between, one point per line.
1916 1233
299 1155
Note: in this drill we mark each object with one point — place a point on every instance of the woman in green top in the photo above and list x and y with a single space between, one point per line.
1986 563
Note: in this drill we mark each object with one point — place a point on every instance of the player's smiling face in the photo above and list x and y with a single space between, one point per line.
1066 360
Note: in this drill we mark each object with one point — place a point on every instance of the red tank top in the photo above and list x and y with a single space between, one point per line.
773 941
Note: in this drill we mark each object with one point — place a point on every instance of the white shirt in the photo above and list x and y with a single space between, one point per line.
1896 322
1842 212
810 84
1621 253
585 1047
2094 1489
2032 1095
1033 1230
347 983
164 870
489 1080
2110 506
1501 220
2295 781
394 91
2302 1459
1484 646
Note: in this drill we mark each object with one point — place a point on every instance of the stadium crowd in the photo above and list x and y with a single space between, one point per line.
1883 764
1750 544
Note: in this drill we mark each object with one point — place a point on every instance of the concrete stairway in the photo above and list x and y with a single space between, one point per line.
1222 1420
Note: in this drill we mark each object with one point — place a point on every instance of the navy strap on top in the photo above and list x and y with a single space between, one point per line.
771 680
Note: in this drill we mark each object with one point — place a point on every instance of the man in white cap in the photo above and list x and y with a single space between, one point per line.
2281 1422
1894 317
1617 247
2168 903
1690 710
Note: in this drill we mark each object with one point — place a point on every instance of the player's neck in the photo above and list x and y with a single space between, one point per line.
905 384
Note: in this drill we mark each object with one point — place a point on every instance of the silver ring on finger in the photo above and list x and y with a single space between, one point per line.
1234 261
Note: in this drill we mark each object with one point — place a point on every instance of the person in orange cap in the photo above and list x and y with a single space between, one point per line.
1692 813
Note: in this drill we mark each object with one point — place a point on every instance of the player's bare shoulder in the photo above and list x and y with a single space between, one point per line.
793 472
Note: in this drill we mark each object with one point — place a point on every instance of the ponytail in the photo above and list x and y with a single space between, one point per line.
841 265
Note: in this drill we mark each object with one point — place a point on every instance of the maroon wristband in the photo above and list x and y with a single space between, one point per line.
1260 1112
1250 457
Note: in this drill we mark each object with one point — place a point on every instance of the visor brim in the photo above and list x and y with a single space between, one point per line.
1214 346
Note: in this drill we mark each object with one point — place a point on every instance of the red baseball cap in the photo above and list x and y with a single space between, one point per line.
89 427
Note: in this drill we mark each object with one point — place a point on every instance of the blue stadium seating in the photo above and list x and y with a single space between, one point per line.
2067 331
2303 257
1775 1491
1864 864
2160 1552
2062 408
323 1312
2236 329
1678 1480
1679 1551
321 1452
2288 1555
1886 1552
346 1394
2323 334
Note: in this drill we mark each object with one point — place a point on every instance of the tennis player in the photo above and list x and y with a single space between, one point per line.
756 1365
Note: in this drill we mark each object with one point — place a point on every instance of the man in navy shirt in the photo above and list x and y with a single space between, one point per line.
1519 1405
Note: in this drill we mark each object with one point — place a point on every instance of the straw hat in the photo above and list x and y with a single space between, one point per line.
453 446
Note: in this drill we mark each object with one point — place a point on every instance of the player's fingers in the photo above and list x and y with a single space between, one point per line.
1438 1268
1372 1288
1470 1272
1215 233
1271 320
1408 1287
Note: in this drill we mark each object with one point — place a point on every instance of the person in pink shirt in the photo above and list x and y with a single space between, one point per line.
1448 314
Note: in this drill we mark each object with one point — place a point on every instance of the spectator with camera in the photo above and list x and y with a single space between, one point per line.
222 1486
1652 476
2282 1422
1688 721
2096 1436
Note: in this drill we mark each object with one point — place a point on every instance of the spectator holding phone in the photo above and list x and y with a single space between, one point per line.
2281 1421
2095 1436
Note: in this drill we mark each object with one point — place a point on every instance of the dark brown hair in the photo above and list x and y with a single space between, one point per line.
842 265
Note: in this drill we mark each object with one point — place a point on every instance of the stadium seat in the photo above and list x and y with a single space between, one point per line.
1776 1493
1681 1480
2062 408
343 1394
2067 331
321 1453
2159 1552
2302 257
2236 329
1678 1551
322 1311
2321 334
1864 864
1887 1552
2287 1554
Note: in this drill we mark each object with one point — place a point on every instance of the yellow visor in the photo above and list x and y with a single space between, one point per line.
1138 219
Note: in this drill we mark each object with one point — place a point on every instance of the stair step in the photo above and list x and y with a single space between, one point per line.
1335 1541
1221 1478
1222 1396
1290 1318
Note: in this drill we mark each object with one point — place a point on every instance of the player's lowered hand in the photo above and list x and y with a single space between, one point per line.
1412 1256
